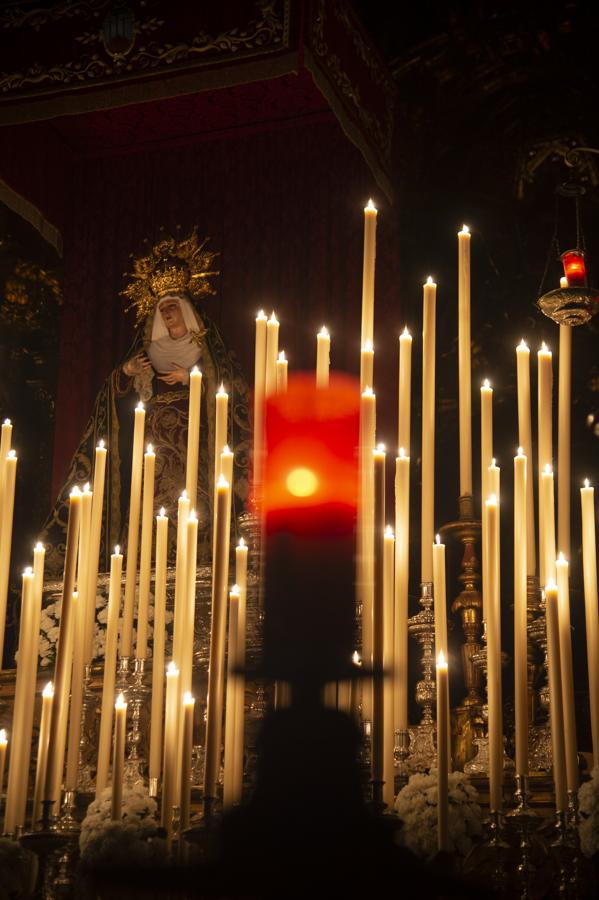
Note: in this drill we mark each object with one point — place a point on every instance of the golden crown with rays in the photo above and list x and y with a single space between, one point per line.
173 266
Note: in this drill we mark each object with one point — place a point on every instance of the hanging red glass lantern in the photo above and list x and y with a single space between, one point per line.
575 269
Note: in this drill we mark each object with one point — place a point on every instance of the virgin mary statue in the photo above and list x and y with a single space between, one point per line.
173 335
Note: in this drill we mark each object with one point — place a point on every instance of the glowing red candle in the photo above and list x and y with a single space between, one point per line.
310 500
574 268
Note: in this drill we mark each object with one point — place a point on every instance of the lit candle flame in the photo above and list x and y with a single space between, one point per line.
561 558
367 392
486 383
241 542
221 391
380 448
162 511
172 669
370 205
183 495
48 690
140 407
324 332
39 546
195 370
493 463
429 280
273 318
192 516
402 453
188 699
465 230
149 449
3 737
389 532
520 451
551 585
492 499
441 660
76 492
236 590
438 540
225 449
101 444
117 549
282 357
28 571
261 315
356 658
222 482
368 347
548 470
522 345
120 702
7 422
544 348
405 332
587 483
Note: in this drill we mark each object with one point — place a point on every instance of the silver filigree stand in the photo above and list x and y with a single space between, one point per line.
401 753
137 692
85 779
524 822
421 627
540 733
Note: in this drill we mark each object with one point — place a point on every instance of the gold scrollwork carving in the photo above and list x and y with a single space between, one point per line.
30 294
268 29
380 132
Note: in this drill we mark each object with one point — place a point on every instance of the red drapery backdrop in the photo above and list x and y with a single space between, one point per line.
283 208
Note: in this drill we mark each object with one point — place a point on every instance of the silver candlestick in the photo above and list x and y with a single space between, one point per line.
421 627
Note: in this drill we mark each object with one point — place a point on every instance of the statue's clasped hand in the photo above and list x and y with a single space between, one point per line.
137 364
177 376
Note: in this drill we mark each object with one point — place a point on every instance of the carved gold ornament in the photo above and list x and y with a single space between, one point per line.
173 266
30 295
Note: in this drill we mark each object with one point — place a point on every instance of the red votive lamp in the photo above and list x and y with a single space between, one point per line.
574 268
310 496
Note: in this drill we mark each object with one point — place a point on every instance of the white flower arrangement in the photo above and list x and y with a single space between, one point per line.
588 807
50 625
416 806
139 820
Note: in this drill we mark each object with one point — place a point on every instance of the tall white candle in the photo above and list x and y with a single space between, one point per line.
591 606
3 746
464 361
547 525
220 428
259 395
486 434
565 649
145 563
170 767
186 661
110 658
133 531
241 562
493 614
16 796
193 435
388 667
272 351
229 782
366 531
179 617
323 357
442 751
118 757
158 648
42 754
525 441
545 440
370 217
556 706
440 595
402 570
214 707
428 431
520 617
366 366
185 766
378 626
405 388
282 373
64 656
564 438
94 547
6 517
